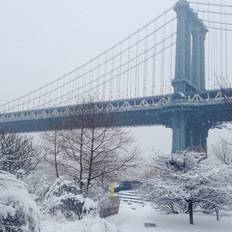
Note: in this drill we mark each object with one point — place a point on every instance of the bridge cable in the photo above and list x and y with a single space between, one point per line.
141 62
226 55
215 55
92 69
214 12
219 28
128 75
209 83
145 70
111 83
154 67
217 22
221 49
131 68
162 76
136 68
171 63
211 4
119 79
87 63
128 62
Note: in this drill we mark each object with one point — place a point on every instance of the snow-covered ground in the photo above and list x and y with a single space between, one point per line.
85 225
131 218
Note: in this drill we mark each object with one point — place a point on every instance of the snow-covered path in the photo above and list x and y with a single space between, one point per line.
131 218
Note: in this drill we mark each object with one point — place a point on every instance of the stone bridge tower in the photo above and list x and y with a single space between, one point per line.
190 50
188 130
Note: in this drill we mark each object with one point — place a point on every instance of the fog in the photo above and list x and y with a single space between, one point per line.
42 40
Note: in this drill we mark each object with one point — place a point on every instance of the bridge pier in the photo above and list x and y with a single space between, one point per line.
179 133
197 137
188 133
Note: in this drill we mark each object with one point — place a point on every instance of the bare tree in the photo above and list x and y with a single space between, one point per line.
53 150
227 100
98 151
223 151
72 146
18 153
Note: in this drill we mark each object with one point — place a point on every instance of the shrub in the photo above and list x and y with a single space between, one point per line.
18 210
64 199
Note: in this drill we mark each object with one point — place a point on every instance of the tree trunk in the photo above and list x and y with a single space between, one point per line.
190 210
91 154
217 214
55 156
81 157
56 167
90 170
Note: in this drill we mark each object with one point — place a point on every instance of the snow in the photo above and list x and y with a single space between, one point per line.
89 204
14 201
13 190
131 218
85 225
65 198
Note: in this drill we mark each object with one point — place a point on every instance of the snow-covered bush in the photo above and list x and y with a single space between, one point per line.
188 181
17 153
96 192
18 210
64 199
39 184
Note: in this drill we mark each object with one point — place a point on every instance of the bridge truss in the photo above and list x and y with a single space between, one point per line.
185 52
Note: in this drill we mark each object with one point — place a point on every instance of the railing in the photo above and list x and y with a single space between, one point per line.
121 106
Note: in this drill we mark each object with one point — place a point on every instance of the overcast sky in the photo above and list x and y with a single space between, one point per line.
41 40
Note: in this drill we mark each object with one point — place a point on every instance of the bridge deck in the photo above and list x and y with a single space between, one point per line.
129 112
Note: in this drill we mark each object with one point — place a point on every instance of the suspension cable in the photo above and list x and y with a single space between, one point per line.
133 67
217 22
105 74
92 69
213 12
211 4
219 28
90 61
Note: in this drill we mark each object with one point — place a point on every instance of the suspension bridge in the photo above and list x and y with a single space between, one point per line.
173 71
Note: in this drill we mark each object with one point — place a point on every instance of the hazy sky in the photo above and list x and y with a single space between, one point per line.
41 40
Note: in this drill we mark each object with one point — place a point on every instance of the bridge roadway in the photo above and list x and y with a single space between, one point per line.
212 107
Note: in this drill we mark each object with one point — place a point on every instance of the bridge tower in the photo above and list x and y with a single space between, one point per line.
188 130
190 51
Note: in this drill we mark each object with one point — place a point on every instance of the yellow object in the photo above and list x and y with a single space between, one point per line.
112 188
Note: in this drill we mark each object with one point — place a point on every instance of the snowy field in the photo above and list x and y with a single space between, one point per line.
131 218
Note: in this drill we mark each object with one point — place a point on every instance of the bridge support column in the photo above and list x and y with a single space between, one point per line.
196 60
197 137
188 134
179 134
183 46
203 32
198 54
190 50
